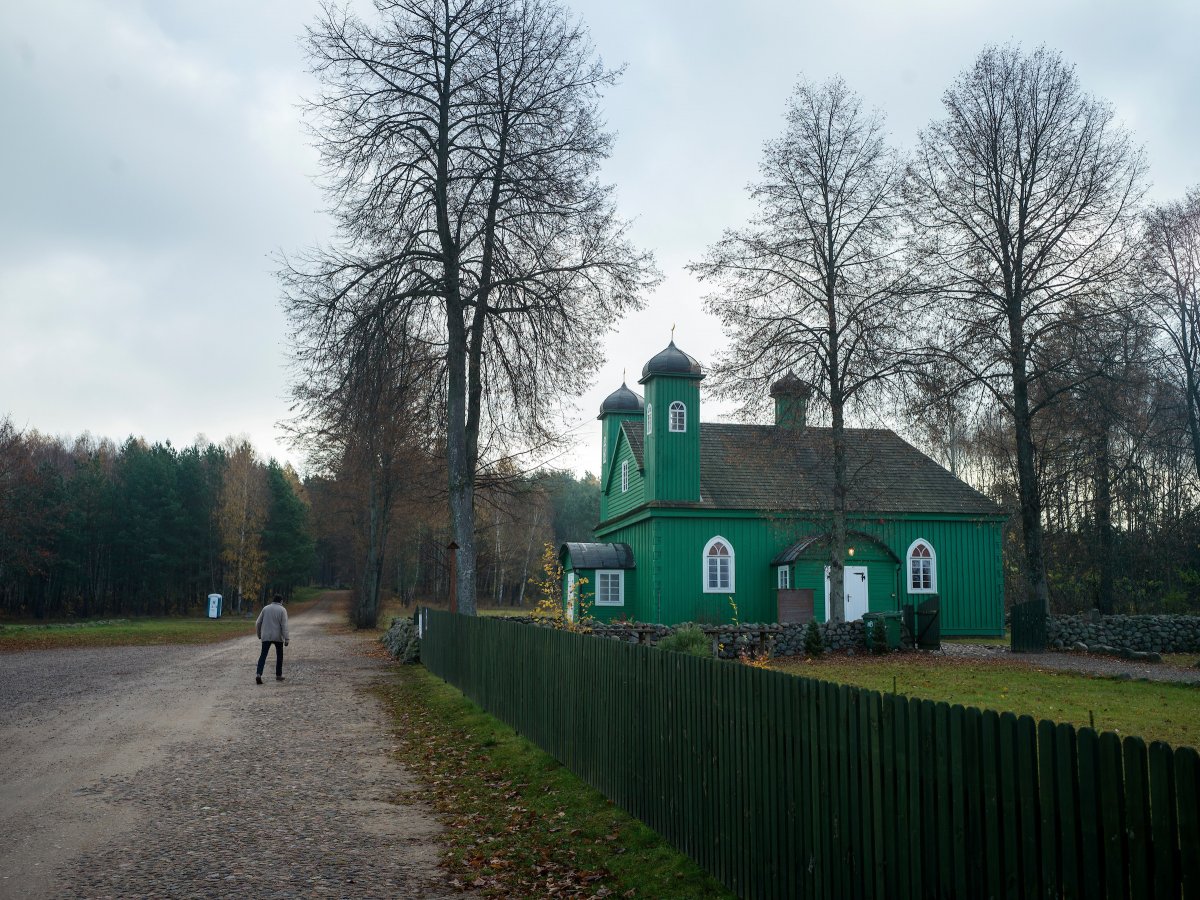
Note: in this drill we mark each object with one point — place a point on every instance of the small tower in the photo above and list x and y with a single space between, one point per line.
791 401
672 426
622 405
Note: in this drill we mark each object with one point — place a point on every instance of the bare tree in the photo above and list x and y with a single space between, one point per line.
1169 276
812 285
1025 197
366 403
461 142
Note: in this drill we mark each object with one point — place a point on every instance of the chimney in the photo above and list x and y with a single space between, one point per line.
791 401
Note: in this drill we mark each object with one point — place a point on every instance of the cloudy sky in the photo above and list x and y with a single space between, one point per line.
153 162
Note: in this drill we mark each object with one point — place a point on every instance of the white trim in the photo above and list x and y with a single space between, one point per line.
649 418
728 589
680 407
908 574
620 573
624 475
783 578
848 572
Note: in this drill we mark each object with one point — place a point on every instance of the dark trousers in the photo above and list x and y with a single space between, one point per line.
262 657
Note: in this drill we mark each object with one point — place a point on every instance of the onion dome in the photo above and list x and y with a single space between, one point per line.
672 361
621 400
791 386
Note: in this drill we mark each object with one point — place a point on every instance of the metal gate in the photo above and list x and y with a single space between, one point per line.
1028 627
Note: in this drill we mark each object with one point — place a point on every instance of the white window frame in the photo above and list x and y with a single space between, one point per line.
708 588
624 475
649 418
908 571
620 574
783 578
680 407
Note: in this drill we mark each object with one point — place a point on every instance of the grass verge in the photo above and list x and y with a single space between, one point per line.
521 824
141 631
1155 711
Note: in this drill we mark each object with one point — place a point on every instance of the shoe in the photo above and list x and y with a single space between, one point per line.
258 679
279 678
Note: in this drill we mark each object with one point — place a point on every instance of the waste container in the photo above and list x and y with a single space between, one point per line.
214 606
929 624
889 622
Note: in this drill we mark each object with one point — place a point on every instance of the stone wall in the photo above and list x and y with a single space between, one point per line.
783 640
1157 634
401 640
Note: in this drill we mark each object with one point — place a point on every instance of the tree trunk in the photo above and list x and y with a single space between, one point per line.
367 614
837 533
1104 532
1027 485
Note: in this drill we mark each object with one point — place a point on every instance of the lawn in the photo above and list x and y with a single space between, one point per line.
196 629
522 824
1153 710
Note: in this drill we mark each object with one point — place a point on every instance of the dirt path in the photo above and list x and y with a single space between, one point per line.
166 772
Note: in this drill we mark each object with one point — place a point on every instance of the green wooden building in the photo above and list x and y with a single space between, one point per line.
697 519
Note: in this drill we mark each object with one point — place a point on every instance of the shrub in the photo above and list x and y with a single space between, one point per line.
688 639
878 638
813 644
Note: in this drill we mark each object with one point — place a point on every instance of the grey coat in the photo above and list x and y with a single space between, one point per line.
272 624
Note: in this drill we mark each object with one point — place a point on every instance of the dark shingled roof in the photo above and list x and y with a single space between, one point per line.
671 361
621 400
772 468
598 556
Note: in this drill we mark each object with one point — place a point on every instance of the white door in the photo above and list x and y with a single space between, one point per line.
855 583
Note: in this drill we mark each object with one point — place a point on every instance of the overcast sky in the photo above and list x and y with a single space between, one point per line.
153 162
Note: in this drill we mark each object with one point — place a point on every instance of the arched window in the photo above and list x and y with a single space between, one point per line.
649 418
624 476
678 416
718 566
922 568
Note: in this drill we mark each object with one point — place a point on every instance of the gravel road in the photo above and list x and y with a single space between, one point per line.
167 772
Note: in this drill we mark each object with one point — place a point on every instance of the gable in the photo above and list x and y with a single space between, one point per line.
771 468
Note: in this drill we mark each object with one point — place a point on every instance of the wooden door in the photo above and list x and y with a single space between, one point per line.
795 606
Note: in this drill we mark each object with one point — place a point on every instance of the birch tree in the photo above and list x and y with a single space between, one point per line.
1024 196
813 284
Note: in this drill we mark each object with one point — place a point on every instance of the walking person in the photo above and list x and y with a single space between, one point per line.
272 628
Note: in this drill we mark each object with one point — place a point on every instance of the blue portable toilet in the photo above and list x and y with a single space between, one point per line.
214 606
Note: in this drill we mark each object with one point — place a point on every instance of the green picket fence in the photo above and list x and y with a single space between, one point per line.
789 787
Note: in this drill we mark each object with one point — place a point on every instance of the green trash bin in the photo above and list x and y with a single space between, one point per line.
889 622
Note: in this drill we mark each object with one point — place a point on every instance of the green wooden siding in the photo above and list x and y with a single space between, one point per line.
670 586
615 501
636 608
611 443
673 457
